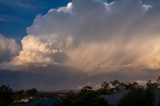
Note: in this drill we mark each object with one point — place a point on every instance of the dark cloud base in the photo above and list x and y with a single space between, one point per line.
55 78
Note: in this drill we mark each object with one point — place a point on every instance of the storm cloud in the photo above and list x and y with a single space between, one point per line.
96 38
95 34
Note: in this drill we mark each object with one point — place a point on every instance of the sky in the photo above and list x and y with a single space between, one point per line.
22 13
63 45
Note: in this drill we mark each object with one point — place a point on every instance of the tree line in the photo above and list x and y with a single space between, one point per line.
137 95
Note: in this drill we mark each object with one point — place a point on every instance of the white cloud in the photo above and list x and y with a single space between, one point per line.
40 50
67 9
93 35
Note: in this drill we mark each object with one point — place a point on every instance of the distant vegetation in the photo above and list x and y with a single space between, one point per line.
137 95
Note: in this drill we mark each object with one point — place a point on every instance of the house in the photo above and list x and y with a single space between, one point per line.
43 102
26 100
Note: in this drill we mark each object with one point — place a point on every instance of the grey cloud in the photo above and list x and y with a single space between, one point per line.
60 57
54 78
8 48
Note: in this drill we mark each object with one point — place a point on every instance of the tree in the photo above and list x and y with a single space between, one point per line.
105 85
105 88
116 85
32 91
130 85
158 81
101 102
86 89
86 97
6 95
138 97
21 92
152 85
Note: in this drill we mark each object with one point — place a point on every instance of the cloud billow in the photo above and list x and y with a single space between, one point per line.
8 48
102 35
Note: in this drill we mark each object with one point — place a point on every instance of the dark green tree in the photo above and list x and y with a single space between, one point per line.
152 85
6 95
105 88
86 97
138 97
158 81
86 89
101 102
32 91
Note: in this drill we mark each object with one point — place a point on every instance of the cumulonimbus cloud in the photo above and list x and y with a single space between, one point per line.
87 41
95 35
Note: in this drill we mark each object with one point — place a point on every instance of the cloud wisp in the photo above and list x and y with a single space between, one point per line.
23 4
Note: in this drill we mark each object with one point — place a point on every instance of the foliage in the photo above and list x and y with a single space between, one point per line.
6 95
86 97
32 91
151 85
138 97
